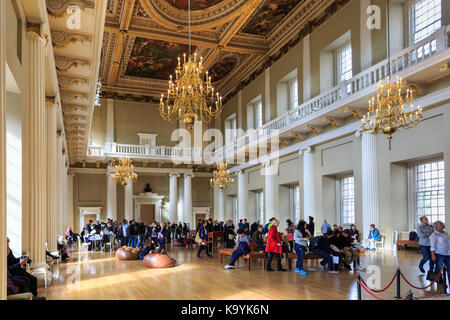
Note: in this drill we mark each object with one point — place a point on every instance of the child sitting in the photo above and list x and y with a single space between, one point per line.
242 249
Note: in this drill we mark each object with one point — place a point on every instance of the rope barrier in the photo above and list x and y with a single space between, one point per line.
370 293
421 288
382 290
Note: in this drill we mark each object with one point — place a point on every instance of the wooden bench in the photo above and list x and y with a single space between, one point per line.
407 243
307 256
251 255
310 256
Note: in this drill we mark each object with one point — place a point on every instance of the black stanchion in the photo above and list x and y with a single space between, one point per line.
398 284
444 280
359 287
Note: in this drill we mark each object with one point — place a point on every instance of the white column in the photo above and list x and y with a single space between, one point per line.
3 263
60 192
242 196
69 200
52 176
267 106
129 214
173 195
188 198
270 195
221 205
366 36
110 121
369 182
180 204
34 226
111 196
309 207
307 68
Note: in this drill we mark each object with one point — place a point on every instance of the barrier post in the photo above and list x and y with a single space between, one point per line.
359 287
444 280
398 284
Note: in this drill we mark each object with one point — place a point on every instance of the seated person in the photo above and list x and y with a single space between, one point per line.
258 238
354 234
48 254
337 248
374 235
350 253
22 279
242 249
62 249
323 250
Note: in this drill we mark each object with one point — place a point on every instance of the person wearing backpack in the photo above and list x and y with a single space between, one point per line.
323 250
424 231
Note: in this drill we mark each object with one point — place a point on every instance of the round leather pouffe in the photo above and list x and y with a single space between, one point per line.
123 254
158 260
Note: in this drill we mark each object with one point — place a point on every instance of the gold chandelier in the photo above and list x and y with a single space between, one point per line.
190 96
222 177
391 109
124 171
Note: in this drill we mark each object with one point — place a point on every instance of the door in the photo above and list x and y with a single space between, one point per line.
198 217
88 217
148 213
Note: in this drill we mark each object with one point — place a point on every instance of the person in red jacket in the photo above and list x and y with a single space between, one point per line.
273 246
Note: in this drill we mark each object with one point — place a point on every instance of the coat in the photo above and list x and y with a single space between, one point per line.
273 239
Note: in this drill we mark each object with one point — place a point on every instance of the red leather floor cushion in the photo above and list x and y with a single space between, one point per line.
158 260
123 254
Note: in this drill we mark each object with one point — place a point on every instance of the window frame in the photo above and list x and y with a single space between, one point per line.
340 200
412 21
337 59
258 110
413 191
260 213
296 215
291 83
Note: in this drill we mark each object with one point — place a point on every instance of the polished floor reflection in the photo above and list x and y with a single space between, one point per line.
98 276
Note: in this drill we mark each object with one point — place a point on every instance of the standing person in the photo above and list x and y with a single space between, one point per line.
290 233
174 230
229 235
323 250
242 249
440 246
424 231
310 226
246 226
273 246
240 224
254 227
300 238
162 236
325 227
133 234
125 232
154 234
202 240
141 233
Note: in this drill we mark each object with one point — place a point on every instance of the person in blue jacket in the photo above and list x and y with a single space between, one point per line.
162 236
374 235
203 235
242 249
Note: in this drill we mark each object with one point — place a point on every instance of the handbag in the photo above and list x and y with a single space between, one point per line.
432 275
335 259
197 238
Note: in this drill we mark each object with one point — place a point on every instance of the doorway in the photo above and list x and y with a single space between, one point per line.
147 213
88 217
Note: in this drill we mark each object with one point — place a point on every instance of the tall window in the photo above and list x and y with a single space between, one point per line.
260 206
293 94
295 198
347 200
258 115
231 126
430 191
427 18
345 63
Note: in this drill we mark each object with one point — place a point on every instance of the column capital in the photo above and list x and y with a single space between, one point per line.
51 101
307 150
240 172
174 174
188 175
358 134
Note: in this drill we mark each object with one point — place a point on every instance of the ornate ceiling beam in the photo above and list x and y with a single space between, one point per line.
231 31
125 19
259 48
